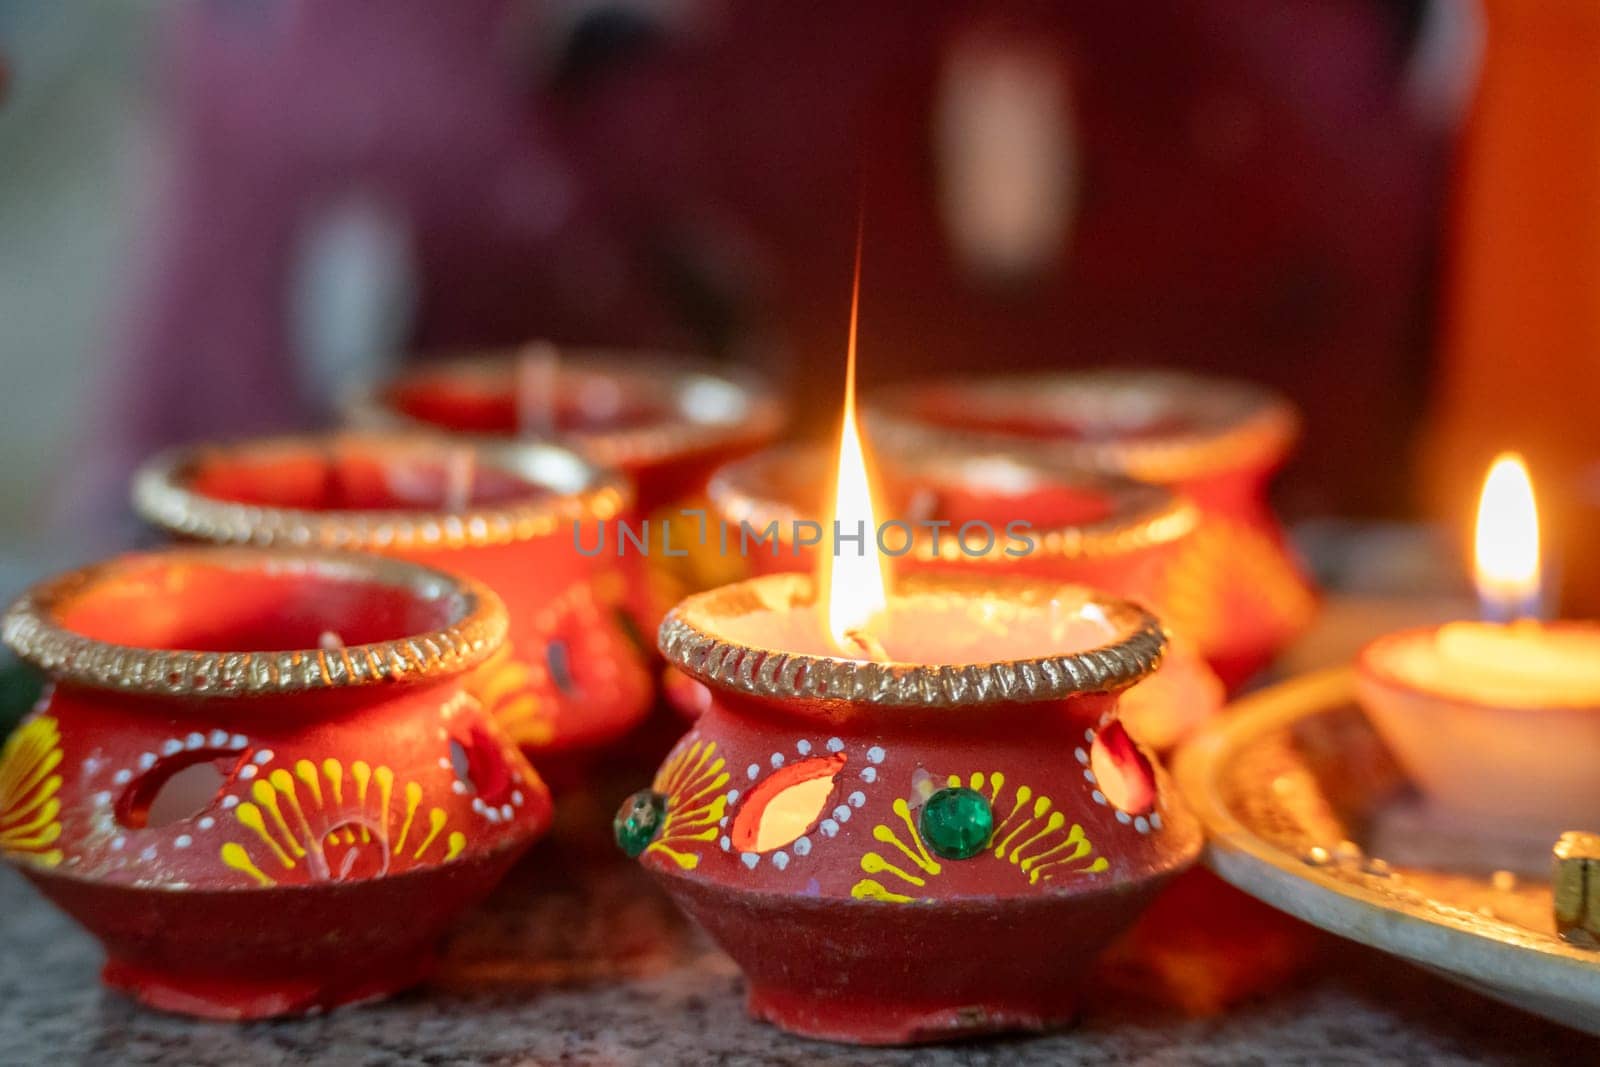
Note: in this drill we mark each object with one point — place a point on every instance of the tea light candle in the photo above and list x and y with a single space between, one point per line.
1496 718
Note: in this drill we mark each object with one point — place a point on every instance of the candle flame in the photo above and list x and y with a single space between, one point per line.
1507 542
855 581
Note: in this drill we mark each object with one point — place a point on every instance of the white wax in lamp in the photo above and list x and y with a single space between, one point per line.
1524 664
932 627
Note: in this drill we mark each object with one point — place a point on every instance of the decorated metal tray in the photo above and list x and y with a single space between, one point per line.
1305 810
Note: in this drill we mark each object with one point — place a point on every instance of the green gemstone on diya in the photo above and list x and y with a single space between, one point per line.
638 821
957 822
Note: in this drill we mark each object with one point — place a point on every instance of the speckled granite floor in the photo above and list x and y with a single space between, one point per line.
577 959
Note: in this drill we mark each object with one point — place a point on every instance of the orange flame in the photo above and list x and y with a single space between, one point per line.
1507 543
856 585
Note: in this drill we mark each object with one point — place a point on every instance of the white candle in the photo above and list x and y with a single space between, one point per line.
1501 719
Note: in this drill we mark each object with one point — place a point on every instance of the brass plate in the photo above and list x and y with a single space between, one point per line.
1295 769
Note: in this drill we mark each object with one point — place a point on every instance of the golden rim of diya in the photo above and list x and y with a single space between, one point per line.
692 640
1142 515
33 629
700 405
1218 424
563 487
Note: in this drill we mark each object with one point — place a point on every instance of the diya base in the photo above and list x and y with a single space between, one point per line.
199 953
866 972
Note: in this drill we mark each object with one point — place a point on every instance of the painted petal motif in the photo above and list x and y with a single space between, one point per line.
786 804
692 780
29 808
509 691
1030 836
336 823
1122 771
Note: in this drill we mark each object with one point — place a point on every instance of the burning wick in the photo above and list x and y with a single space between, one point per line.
863 643
856 585
1507 542
536 390
329 641
458 474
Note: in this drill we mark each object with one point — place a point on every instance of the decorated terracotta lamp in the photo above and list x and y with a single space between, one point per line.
1497 721
932 843
990 514
1235 589
664 421
910 815
258 778
570 678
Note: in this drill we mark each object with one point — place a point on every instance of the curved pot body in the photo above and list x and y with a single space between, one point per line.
1236 588
889 874
248 833
855 930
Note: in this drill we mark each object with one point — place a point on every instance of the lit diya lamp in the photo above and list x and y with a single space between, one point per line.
664 421
909 815
988 514
570 679
1499 720
1235 589
257 777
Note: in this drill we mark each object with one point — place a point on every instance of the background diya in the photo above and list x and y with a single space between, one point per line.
570 679
1235 589
663 421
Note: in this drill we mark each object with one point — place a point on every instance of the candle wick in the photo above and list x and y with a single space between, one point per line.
536 390
1510 607
866 646
458 476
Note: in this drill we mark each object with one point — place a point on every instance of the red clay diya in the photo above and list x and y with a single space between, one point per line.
934 844
1235 589
991 514
665 421
570 678
257 778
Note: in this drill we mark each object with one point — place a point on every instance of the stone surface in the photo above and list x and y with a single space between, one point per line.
578 959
